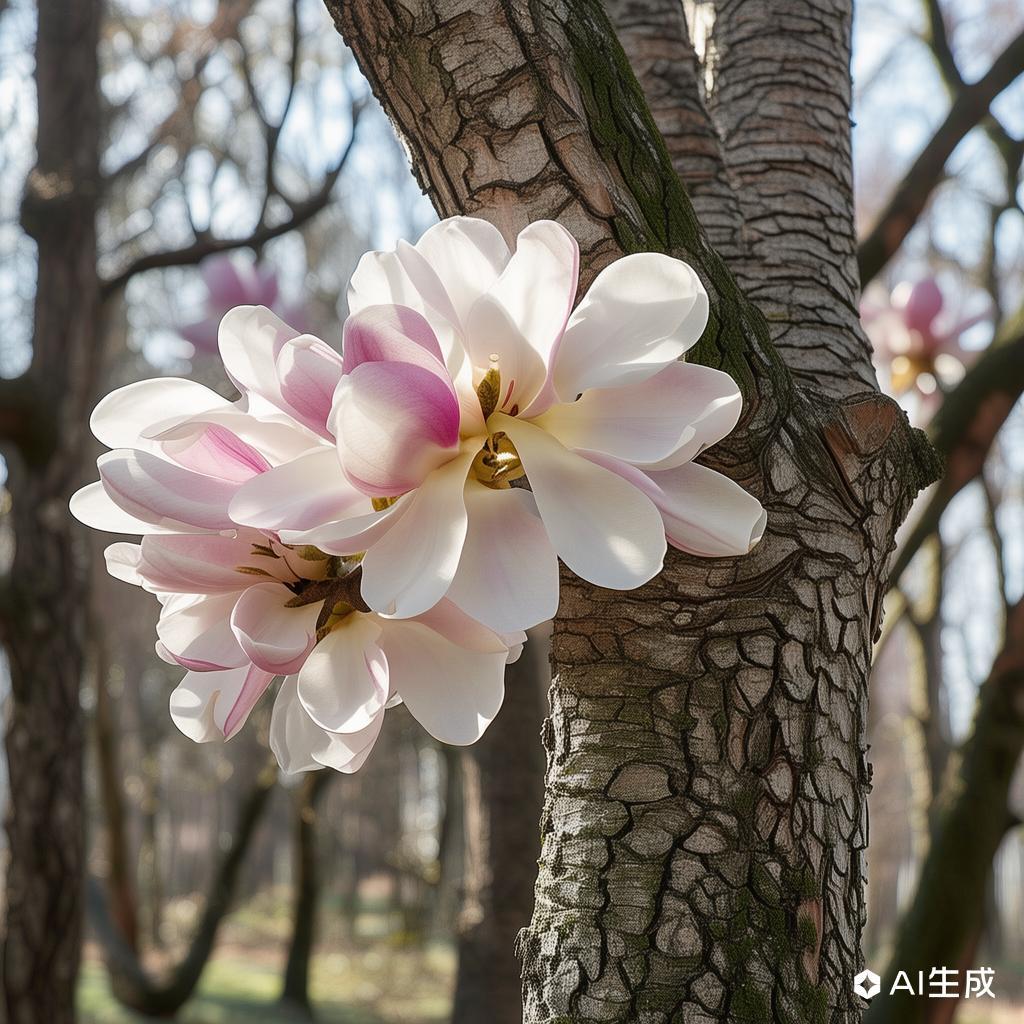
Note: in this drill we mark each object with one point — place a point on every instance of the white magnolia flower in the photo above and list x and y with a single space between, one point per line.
466 368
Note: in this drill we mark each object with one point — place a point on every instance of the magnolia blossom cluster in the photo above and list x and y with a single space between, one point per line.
380 526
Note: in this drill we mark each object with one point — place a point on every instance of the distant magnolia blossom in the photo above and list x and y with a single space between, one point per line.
231 281
239 607
467 369
915 343
351 524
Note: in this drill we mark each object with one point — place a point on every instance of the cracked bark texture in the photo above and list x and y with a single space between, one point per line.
655 38
781 94
704 820
42 618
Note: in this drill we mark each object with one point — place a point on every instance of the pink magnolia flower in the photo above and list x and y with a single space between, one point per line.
239 607
918 344
466 368
232 282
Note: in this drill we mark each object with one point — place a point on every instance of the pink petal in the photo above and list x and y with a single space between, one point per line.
395 334
218 452
395 422
309 371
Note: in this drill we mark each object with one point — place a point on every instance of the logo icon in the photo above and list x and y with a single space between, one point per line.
867 984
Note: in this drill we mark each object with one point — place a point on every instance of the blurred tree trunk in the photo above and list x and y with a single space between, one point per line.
503 788
295 990
132 985
704 824
120 878
43 606
943 924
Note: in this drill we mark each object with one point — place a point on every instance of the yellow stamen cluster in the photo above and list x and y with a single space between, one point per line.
497 464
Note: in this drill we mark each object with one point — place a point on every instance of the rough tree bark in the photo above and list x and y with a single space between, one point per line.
705 794
44 600
503 790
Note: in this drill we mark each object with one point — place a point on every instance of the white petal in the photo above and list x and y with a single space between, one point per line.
467 254
706 513
306 492
164 494
603 528
123 562
352 535
250 340
275 637
209 706
642 312
411 566
452 692
300 745
194 563
198 635
92 506
673 415
508 573
522 317
120 419
343 684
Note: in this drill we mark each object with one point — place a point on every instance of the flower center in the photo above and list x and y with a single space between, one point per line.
497 464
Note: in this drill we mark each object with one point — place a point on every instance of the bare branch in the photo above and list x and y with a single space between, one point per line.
205 245
969 109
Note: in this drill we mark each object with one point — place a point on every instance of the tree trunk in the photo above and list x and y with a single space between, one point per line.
503 786
43 607
295 990
943 924
130 982
704 822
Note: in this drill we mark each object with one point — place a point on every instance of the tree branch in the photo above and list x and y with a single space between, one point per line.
657 42
132 984
204 246
964 429
781 96
911 196
942 923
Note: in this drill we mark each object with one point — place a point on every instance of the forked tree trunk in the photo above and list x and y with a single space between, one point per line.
306 890
43 607
705 806
503 788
